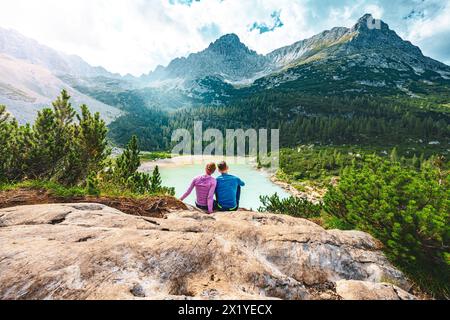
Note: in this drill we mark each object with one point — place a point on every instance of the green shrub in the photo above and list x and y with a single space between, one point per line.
152 156
67 153
407 209
292 206
126 176
92 185
56 147
331 222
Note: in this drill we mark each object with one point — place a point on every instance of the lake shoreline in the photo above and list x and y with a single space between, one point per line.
178 171
179 161
312 195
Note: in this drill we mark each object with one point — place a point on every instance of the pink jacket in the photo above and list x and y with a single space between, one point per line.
205 187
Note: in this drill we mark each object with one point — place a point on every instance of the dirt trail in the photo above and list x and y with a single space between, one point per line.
155 207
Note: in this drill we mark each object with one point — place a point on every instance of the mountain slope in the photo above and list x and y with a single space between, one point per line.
357 60
362 39
20 47
32 75
305 48
26 88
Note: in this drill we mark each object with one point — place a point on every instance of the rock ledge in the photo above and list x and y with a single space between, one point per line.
90 251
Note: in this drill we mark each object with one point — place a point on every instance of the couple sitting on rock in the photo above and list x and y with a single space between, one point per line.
226 188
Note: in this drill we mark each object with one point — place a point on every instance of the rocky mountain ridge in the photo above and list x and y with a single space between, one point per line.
369 42
368 58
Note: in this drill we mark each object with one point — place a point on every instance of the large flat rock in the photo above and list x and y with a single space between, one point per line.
90 251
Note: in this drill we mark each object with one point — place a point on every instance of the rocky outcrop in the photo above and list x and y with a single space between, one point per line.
90 251
359 290
227 58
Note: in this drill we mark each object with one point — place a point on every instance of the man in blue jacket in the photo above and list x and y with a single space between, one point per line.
228 190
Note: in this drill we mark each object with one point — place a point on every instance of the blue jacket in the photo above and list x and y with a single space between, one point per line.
226 190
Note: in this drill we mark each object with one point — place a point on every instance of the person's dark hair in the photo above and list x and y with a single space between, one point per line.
211 168
223 166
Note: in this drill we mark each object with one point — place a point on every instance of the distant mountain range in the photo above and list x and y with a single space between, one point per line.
361 59
364 59
15 45
32 75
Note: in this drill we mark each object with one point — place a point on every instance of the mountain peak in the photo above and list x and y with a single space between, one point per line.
365 17
374 34
226 58
227 44
367 23
229 38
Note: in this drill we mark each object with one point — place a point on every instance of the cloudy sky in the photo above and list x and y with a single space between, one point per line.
134 36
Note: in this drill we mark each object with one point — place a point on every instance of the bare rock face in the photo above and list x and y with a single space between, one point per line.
359 290
90 251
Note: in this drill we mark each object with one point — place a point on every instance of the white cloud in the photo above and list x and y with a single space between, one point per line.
375 10
431 33
418 30
134 36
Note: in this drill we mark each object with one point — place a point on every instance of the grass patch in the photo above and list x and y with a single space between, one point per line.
54 188
153 156
61 191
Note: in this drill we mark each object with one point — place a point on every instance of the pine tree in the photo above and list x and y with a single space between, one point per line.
156 181
64 113
43 153
64 129
93 135
4 116
415 162
6 137
92 185
88 150
21 150
394 155
128 163
412 221
421 160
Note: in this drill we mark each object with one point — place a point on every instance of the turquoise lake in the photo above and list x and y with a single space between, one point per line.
257 182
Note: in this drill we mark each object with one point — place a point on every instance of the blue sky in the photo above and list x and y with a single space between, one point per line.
134 36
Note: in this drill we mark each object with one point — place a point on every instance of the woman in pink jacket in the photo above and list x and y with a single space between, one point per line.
205 187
